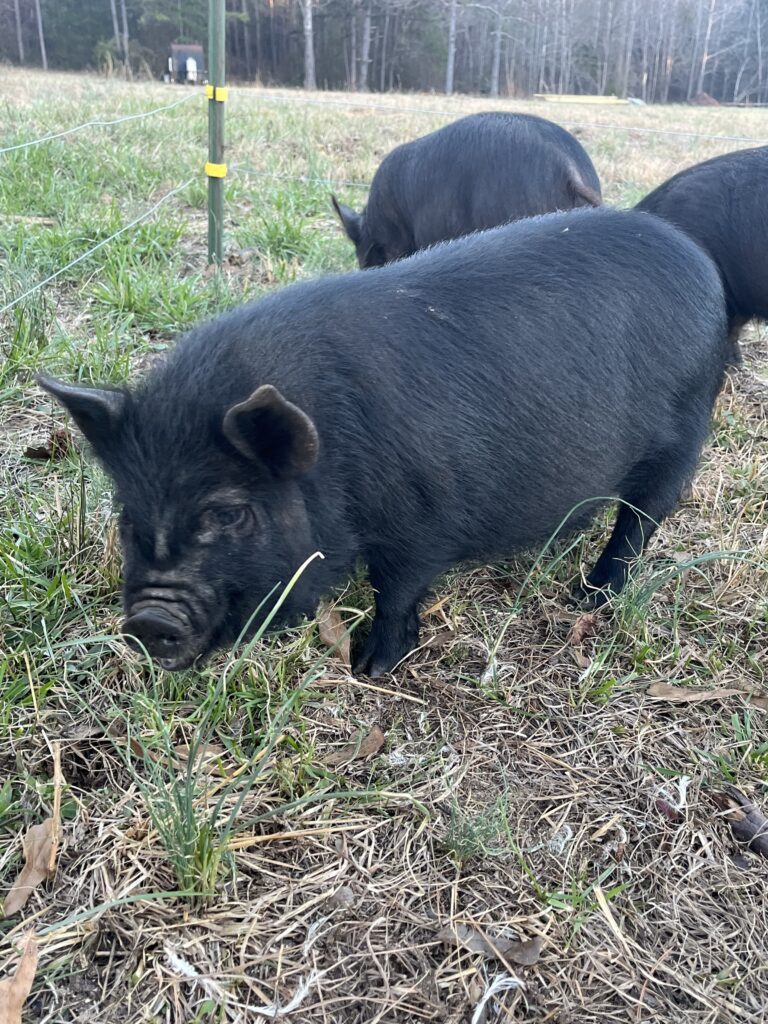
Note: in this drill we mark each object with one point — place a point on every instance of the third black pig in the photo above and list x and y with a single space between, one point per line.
723 204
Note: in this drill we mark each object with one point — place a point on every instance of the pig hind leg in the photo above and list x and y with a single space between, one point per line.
395 628
735 324
650 493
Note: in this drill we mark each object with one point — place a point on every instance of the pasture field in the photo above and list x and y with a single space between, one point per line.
534 833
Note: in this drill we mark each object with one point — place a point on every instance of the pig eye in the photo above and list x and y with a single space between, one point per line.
228 517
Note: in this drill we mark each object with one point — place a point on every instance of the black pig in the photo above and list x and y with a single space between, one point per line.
723 204
477 173
452 407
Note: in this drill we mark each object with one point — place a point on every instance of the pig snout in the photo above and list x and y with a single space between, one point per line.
164 627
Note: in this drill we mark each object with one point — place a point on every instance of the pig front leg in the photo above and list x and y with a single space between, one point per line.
395 629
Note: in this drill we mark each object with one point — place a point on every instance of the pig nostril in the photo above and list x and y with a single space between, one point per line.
155 629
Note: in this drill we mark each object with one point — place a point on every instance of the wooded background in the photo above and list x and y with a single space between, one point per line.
656 50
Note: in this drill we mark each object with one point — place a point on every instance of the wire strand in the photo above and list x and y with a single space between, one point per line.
99 245
255 172
98 124
284 98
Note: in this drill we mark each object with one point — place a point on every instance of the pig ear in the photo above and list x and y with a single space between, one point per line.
351 222
269 429
96 411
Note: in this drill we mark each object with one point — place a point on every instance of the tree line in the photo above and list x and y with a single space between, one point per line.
655 50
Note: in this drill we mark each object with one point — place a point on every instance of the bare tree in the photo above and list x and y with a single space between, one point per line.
705 47
125 33
41 35
307 11
365 50
116 26
19 37
451 61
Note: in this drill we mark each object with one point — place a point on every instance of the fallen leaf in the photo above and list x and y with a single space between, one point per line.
58 446
332 630
696 694
670 813
38 845
580 658
748 823
358 749
583 627
343 898
525 952
15 991
206 756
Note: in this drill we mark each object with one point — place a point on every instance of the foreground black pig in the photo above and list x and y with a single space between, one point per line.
477 173
723 205
452 407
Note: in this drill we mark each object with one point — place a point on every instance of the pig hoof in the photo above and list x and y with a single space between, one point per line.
381 651
734 358
373 662
686 492
590 597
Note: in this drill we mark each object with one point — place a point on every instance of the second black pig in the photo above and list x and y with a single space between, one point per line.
479 172
454 407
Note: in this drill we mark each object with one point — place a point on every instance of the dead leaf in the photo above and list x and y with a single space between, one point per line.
748 823
358 749
696 694
585 626
38 845
580 658
525 952
343 898
207 756
332 630
14 991
670 813
58 446
204 755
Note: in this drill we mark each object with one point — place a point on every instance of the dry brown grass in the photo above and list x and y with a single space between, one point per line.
528 786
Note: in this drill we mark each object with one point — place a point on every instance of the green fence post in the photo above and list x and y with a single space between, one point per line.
216 91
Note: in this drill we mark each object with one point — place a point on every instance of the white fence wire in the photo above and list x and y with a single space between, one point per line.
97 124
95 248
299 99
434 112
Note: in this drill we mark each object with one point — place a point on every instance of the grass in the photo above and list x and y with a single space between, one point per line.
215 859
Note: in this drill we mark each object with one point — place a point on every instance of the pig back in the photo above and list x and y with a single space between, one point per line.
470 396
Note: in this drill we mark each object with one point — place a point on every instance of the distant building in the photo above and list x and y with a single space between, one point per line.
186 63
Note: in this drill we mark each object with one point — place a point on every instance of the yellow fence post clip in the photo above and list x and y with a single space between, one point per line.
216 170
220 93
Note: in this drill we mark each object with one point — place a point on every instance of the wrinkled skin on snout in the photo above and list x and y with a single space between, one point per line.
204 543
